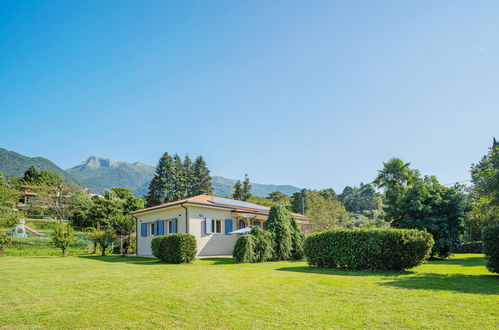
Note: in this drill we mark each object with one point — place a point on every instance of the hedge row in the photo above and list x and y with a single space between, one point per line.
377 249
470 247
258 246
490 236
174 248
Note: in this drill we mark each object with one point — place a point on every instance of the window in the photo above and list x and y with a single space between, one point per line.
152 231
169 226
216 226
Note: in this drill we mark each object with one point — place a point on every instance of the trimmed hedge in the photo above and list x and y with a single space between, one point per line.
244 251
470 247
490 236
376 249
174 248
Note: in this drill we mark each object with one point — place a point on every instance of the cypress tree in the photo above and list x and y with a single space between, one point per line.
202 179
279 223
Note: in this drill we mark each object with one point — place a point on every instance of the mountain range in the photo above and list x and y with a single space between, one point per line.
99 174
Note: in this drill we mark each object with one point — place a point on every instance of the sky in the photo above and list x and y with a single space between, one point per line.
315 94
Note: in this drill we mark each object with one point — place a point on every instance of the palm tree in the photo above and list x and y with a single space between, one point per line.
395 173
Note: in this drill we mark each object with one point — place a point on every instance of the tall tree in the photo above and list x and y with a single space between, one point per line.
178 179
279 223
160 188
202 178
279 197
31 175
237 191
246 189
189 176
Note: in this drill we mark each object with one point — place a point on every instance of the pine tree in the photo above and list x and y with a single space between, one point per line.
160 188
31 175
178 176
202 179
246 192
189 177
237 191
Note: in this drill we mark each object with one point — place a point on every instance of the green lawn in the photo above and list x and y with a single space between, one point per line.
88 291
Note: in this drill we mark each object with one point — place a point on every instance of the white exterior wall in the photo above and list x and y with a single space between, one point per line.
211 244
144 243
207 244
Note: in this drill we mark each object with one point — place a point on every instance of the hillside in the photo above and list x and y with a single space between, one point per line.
99 174
223 187
13 164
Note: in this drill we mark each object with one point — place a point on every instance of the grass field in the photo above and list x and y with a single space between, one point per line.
90 291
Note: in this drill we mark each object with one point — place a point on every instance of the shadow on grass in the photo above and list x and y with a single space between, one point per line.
465 262
477 284
342 272
128 260
221 260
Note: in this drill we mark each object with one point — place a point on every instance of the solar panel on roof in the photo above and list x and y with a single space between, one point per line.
238 203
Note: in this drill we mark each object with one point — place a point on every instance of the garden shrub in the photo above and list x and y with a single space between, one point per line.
174 248
490 236
297 241
279 223
470 247
4 241
244 251
263 244
376 249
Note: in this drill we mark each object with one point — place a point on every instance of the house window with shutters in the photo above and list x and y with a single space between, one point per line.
216 226
152 229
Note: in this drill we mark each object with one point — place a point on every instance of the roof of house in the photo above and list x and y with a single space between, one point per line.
220 202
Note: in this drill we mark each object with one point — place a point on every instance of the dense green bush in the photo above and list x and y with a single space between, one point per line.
470 247
297 241
279 223
174 248
244 251
4 241
490 236
378 249
264 244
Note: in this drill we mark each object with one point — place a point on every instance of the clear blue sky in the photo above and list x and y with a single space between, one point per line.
311 93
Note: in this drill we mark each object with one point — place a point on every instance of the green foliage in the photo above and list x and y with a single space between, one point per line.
102 237
470 247
325 214
14 165
102 210
237 190
42 178
376 249
174 180
279 197
279 224
125 198
297 241
124 227
62 237
263 244
201 181
4 241
242 191
491 247
244 250
361 200
485 175
174 248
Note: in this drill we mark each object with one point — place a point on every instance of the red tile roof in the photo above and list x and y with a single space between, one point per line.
207 200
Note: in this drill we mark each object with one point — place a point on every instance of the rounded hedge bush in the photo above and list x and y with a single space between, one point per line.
174 248
244 251
490 236
376 249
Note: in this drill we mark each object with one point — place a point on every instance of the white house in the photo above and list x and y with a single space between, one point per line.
210 219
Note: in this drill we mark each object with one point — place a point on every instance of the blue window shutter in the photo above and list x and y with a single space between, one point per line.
228 226
161 227
208 225
174 225
143 229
